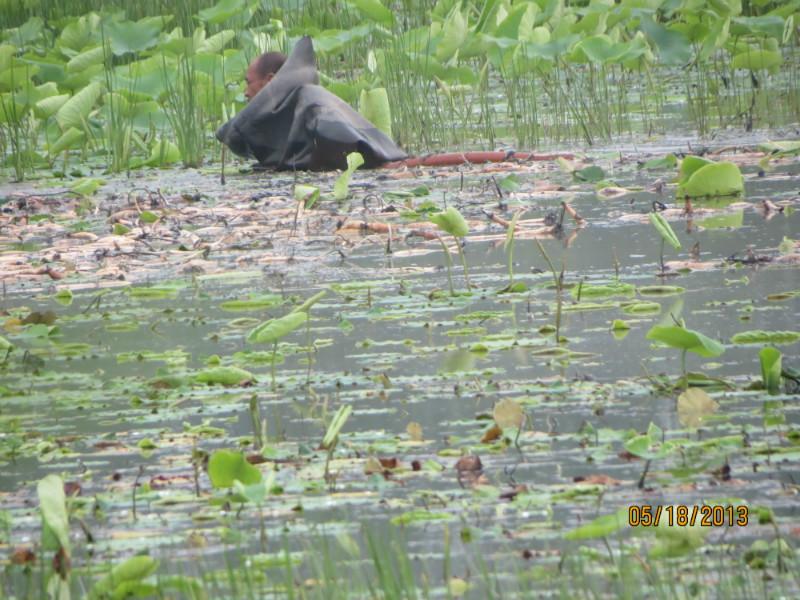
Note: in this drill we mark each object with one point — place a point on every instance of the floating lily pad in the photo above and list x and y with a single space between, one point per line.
765 337
716 179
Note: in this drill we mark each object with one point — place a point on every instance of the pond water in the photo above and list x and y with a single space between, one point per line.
108 401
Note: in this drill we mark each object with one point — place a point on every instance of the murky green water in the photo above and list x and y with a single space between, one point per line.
385 342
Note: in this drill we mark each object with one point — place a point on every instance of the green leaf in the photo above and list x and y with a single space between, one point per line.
673 45
770 359
591 174
308 194
454 34
619 325
374 106
148 216
786 246
226 466
600 527
53 504
76 110
667 162
47 107
80 33
686 339
420 516
224 376
133 570
256 492
146 444
253 303
339 419
758 336
638 445
689 165
716 179
274 329
451 222
84 60
753 60
374 10
216 42
519 22
603 291
676 540
663 227
512 227
63 297
649 446
306 306
221 11
70 138
163 153
354 160
781 147
87 186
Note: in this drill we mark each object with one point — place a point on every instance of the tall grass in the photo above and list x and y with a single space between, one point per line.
19 129
183 105
558 101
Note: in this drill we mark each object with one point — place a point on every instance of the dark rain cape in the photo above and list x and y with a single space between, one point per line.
294 123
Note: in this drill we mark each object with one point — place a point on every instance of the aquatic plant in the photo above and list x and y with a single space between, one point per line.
667 235
342 183
55 532
273 330
450 221
331 437
770 359
699 177
685 340
508 246
558 283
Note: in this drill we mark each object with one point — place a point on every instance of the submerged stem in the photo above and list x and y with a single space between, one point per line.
511 262
274 358
449 262
683 370
463 262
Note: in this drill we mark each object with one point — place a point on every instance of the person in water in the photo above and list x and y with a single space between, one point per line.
261 71
296 124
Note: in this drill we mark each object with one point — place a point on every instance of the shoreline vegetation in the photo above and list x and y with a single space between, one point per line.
147 84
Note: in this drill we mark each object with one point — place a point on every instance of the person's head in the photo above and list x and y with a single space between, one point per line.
261 71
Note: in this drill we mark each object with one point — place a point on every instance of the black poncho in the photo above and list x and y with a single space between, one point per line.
294 123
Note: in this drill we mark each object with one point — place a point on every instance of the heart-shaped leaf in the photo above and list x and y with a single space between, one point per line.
451 222
686 339
226 466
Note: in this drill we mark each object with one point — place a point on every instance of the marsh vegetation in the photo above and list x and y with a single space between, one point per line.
282 387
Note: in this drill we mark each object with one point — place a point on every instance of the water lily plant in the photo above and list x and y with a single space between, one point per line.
450 221
686 340
667 235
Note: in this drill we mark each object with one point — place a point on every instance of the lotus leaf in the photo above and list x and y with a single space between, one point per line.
687 340
274 329
451 222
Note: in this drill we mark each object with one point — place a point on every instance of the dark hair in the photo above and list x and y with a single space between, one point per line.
269 62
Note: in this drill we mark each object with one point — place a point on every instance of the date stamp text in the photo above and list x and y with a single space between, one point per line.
681 515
